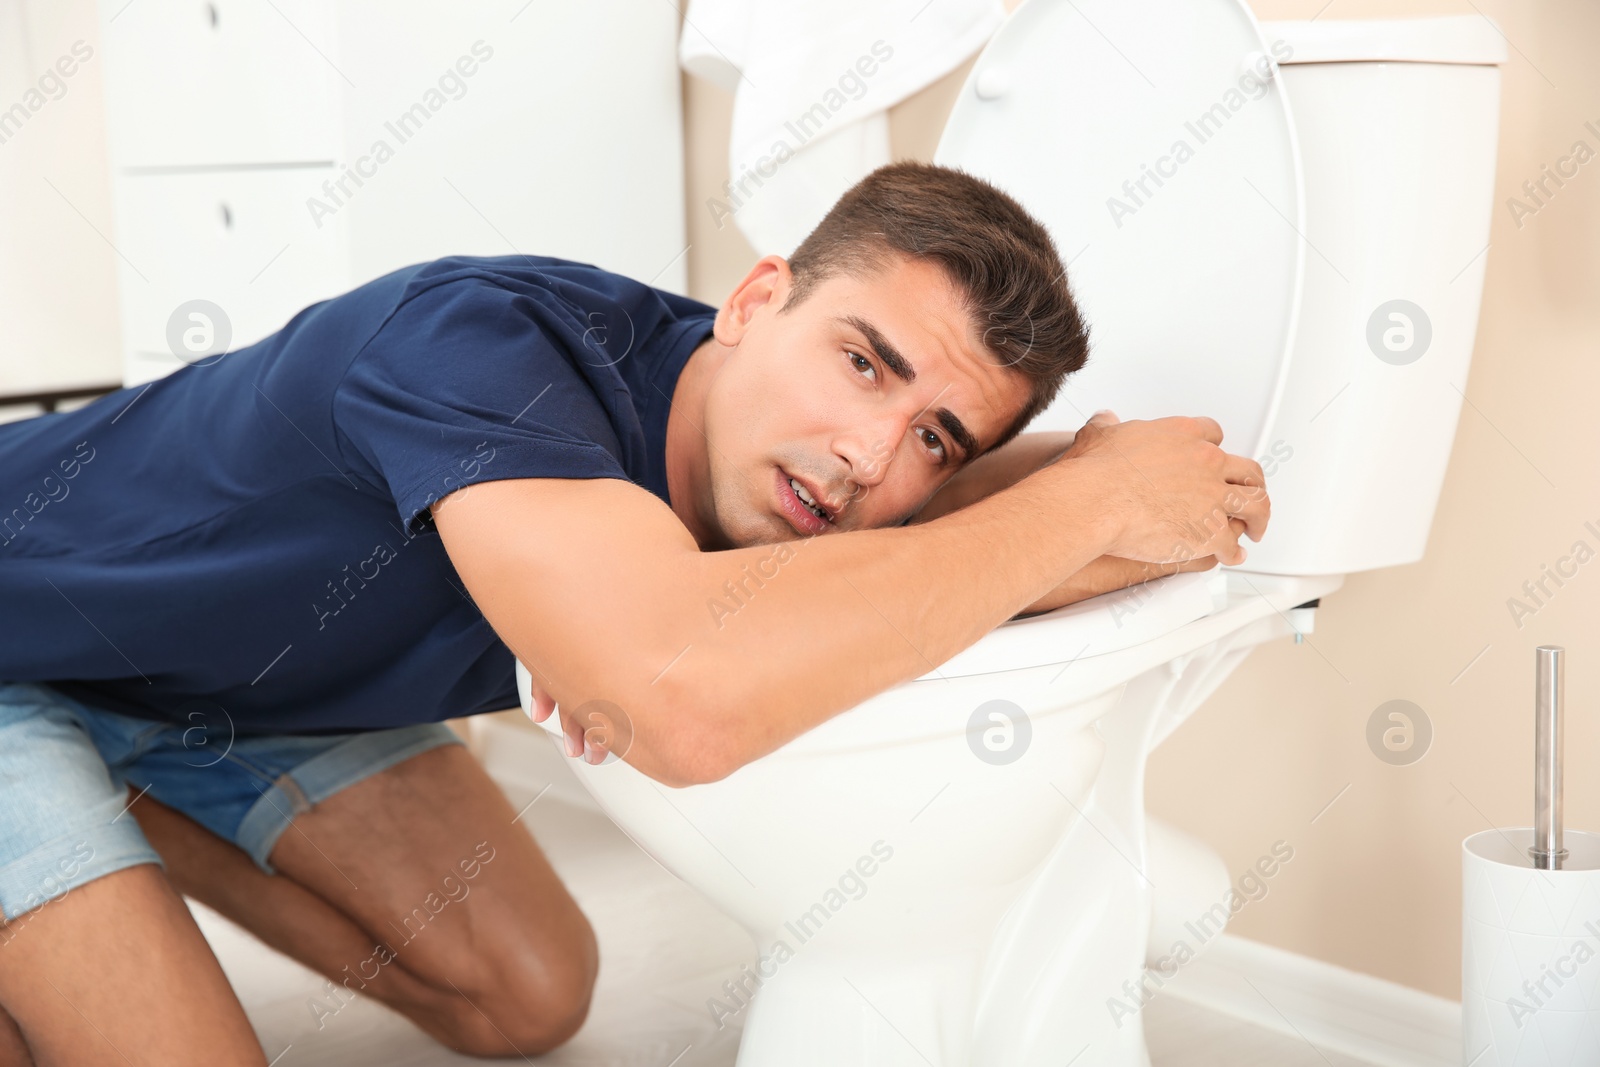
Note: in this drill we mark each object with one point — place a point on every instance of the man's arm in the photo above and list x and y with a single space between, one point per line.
717 658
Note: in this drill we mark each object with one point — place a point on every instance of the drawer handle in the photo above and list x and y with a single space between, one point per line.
211 10
227 216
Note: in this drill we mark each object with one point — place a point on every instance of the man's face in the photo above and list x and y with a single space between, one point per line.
869 394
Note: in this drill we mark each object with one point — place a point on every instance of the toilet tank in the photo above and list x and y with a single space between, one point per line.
1397 123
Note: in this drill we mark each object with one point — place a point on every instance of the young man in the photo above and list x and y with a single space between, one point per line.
247 595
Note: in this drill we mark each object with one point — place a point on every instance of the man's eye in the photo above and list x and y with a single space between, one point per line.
932 440
862 363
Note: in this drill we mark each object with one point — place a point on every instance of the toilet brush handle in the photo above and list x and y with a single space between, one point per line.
1547 850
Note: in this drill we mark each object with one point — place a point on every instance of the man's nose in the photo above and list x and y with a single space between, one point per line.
869 449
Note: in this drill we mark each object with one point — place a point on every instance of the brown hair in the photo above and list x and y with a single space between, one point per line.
1000 257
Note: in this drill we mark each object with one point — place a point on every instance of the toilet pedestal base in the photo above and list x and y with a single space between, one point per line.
1064 978
1067 978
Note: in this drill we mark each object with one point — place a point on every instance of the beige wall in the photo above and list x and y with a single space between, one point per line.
1375 882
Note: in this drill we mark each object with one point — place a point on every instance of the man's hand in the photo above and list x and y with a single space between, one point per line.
1016 460
576 737
1168 472
1245 510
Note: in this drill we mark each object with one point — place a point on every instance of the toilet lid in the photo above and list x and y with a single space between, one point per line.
1167 171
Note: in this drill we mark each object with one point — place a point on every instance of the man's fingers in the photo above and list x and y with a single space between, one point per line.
540 703
1229 550
1099 421
1253 504
1255 510
543 705
1209 428
1242 471
573 730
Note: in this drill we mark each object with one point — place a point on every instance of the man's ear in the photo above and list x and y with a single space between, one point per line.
767 283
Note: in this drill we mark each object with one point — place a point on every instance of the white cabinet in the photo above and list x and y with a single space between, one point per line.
220 82
232 237
267 154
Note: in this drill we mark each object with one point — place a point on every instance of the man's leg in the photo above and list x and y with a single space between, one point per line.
374 893
100 962
13 1049
116 972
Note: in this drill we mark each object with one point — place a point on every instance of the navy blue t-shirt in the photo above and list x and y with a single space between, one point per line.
252 534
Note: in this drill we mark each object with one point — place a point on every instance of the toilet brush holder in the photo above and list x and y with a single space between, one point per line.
1530 922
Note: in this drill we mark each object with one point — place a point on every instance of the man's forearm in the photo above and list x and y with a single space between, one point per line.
1108 574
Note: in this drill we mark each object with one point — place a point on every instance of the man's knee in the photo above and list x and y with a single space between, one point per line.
523 996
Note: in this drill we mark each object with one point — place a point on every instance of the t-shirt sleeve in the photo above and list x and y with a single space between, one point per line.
462 386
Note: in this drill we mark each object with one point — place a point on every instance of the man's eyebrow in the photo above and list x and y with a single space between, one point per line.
888 353
902 369
958 431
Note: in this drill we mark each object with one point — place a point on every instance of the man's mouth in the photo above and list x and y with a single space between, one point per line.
807 513
808 500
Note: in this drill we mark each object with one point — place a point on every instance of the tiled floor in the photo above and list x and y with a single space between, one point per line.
664 951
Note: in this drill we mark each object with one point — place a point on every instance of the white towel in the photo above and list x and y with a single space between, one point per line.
812 82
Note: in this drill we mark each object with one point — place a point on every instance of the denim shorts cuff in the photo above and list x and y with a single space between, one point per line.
323 775
57 867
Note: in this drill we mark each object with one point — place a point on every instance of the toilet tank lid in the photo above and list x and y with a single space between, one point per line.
1463 39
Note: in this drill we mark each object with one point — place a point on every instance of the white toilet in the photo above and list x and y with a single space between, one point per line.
960 870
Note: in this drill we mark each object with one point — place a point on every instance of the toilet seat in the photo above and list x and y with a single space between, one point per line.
1100 625
1042 665
1190 273
1061 658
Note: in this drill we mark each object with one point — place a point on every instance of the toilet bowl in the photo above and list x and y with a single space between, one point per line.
960 870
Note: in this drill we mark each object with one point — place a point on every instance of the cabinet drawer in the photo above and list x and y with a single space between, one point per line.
242 240
213 82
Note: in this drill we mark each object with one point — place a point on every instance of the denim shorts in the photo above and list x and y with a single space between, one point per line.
66 769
